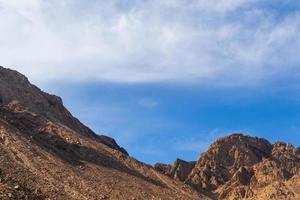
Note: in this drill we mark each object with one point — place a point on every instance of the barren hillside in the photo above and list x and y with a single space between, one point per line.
46 153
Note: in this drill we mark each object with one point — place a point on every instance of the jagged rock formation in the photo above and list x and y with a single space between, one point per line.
179 170
46 153
239 166
216 166
243 167
163 168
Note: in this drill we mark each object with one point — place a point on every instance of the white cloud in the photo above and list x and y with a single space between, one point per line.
147 103
201 142
197 143
150 41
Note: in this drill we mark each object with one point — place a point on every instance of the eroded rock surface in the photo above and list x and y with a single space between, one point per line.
244 167
179 170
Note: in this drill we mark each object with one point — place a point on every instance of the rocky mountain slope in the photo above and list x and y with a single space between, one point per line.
179 170
46 153
243 167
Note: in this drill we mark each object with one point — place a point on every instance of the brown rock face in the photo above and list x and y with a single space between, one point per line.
225 157
243 167
163 168
288 157
179 170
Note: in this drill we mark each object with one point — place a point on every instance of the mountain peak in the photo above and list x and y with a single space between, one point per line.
16 90
236 166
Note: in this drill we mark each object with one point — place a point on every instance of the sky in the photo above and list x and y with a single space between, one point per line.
164 78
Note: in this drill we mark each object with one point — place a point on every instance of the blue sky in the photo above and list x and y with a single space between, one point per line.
162 122
164 78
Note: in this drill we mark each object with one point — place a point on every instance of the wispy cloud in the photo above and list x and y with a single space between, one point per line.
198 143
248 41
148 103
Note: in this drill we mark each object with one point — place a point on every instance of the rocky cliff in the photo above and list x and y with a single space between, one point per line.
46 153
179 170
243 167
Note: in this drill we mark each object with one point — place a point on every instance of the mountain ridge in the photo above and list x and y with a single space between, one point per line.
47 153
239 167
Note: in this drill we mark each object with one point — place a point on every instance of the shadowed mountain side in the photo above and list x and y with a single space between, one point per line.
16 89
179 170
46 153
48 137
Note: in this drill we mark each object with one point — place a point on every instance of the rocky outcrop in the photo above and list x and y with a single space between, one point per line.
163 168
287 156
179 170
225 157
244 167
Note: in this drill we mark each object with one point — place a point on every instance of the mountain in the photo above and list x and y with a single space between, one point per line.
179 170
46 153
243 167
